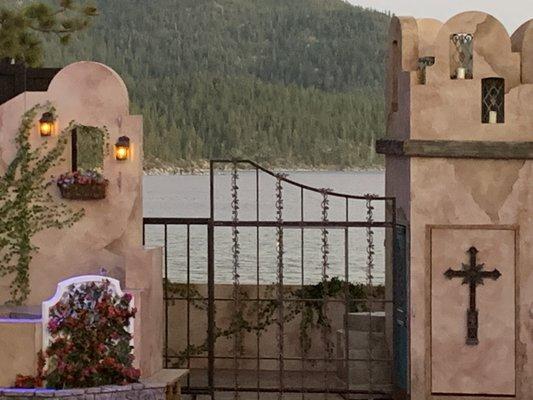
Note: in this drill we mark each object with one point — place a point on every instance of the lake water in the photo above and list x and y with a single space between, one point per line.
188 196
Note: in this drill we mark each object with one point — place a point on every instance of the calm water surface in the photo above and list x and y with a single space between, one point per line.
188 196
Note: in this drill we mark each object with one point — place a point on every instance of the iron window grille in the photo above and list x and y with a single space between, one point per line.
493 99
462 55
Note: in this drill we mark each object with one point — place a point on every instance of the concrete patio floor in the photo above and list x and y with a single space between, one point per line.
303 383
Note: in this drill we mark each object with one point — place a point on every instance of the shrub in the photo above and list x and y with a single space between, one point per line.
90 343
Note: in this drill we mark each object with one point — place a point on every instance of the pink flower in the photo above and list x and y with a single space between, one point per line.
53 325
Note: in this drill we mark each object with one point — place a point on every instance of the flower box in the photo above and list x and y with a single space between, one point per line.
76 191
83 185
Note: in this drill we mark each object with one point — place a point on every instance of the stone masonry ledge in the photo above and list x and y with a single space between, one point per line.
136 391
154 388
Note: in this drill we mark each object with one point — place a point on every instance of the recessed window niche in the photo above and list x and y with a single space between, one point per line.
423 64
87 149
493 101
462 56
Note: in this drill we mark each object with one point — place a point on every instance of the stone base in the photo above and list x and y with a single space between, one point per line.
164 385
136 391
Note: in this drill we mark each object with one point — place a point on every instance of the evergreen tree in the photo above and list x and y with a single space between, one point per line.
290 83
22 27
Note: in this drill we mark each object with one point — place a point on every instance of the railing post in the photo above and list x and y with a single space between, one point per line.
211 285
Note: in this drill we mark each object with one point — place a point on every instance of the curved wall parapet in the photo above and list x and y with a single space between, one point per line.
464 79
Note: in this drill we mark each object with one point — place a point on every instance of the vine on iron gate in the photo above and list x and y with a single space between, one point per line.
370 249
311 312
236 251
326 325
26 204
279 286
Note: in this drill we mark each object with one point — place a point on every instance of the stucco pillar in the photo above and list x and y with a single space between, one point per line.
463 187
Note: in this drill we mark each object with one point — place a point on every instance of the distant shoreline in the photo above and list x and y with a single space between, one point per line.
205 171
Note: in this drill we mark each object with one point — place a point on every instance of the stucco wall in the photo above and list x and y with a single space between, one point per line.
465 195
90 94
471 193
110 234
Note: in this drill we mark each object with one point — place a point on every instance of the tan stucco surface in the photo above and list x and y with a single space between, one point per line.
496 306
19 344
442 195
473 195
110 234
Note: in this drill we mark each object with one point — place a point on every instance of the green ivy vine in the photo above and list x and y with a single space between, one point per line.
93 146
256 317
26 204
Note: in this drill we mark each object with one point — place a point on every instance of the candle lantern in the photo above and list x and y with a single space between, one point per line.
122 148
47 124
493 117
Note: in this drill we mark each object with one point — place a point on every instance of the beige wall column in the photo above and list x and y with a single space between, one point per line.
459 158
109 236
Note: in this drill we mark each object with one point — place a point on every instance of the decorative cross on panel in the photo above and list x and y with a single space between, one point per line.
472 275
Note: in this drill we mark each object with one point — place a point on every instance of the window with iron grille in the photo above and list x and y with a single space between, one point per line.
493 99
462 56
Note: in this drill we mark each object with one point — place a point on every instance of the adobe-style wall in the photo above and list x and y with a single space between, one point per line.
109 236
90 94
461 183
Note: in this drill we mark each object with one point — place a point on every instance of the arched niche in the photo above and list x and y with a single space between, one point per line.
492 54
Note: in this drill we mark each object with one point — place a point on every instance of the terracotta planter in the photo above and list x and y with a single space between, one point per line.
76 191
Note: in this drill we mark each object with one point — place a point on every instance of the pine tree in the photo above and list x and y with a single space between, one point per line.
23 27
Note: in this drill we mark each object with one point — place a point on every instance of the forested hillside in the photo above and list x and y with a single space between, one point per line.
285 82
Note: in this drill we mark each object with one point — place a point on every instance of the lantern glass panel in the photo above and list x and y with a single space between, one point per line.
122 148
47 124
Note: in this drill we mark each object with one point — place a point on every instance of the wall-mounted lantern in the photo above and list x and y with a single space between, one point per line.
122 148
47 124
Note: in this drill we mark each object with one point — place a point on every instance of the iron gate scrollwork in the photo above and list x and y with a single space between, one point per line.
300 310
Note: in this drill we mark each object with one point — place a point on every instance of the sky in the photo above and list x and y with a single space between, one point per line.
512 13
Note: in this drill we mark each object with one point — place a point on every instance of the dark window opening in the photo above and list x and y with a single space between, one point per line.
493 101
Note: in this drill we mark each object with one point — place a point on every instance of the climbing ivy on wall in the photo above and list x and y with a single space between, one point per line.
26 204
93 146
304 304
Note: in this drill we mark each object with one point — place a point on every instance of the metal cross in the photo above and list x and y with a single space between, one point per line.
472 275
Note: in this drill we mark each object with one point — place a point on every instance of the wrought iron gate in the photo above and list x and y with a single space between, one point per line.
269 297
